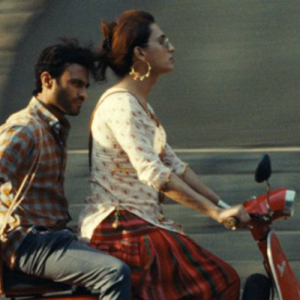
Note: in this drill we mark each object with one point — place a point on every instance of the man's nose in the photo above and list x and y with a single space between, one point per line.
84 94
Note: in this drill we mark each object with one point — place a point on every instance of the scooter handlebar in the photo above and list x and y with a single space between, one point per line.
231 223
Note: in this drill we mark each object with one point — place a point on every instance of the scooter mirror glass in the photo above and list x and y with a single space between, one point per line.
263 170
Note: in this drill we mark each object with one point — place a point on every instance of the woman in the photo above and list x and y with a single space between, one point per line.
133 166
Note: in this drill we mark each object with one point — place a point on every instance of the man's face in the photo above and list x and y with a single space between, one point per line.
70 90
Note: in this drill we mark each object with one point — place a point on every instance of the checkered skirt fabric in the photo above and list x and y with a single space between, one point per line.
165 265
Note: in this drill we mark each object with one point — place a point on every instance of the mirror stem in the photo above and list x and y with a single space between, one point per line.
268 198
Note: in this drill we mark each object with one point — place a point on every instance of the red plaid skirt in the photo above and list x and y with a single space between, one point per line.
165 265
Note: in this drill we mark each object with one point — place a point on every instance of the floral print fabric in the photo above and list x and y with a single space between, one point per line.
131 161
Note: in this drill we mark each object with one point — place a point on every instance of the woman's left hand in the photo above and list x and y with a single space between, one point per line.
234 217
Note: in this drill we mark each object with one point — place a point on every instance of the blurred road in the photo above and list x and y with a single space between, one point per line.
233 95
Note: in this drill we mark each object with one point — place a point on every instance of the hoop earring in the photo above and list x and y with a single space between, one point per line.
136 75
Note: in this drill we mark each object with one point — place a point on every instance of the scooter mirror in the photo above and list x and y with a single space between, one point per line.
263 170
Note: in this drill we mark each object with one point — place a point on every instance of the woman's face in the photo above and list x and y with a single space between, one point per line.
159 52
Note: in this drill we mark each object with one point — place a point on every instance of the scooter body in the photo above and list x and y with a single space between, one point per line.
40 294
283 276
264 210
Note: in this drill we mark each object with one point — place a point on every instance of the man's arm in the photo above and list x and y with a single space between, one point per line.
16 145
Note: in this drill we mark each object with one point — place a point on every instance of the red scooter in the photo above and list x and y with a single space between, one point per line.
264 210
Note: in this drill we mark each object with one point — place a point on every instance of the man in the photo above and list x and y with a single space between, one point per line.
34 237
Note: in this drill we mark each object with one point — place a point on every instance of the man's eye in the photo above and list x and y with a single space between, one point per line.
77 83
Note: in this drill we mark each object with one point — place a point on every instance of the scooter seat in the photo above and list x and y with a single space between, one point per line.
19 284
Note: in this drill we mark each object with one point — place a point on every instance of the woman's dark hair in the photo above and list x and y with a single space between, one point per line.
131 29
56 58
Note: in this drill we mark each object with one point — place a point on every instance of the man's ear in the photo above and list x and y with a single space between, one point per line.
139 53
47 80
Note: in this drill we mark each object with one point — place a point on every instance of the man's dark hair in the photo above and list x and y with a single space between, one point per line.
56 58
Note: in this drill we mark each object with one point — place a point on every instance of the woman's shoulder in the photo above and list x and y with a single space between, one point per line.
118 97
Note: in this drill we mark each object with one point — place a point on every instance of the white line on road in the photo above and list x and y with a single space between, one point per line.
219 150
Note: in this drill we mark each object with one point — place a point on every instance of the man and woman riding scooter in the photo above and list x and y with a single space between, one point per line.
143 255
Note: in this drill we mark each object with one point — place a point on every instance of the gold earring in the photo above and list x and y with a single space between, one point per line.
136 75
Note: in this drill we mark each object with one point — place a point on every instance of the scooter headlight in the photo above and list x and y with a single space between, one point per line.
289 203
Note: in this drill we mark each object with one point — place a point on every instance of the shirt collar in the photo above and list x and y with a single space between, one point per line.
60 126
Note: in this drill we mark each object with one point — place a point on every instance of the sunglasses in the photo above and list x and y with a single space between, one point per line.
165 43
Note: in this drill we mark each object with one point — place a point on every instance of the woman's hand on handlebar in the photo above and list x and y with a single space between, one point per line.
234 217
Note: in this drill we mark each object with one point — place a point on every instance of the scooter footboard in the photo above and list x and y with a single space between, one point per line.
284 278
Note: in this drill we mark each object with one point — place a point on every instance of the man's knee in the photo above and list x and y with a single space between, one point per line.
116 282
115 269
122 270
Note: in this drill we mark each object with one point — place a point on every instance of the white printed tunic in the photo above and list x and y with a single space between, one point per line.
131 161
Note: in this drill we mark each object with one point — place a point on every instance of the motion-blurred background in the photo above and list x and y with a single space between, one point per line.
237 65
235 85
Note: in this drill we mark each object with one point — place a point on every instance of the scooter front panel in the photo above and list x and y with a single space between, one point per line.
283 276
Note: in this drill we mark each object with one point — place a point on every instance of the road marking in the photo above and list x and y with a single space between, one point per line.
218 150
238 150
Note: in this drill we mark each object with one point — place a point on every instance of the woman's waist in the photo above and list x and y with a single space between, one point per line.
122 224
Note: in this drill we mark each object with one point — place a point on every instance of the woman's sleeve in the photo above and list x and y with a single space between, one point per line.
126 119
171 160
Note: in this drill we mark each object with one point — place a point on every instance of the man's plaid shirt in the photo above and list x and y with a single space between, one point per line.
45 203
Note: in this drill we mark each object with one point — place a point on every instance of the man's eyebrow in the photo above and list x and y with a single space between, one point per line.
81 82
162 35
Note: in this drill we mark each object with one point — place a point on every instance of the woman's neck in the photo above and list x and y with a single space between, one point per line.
141 89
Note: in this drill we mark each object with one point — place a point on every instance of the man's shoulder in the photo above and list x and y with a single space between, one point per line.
23 117
25 120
